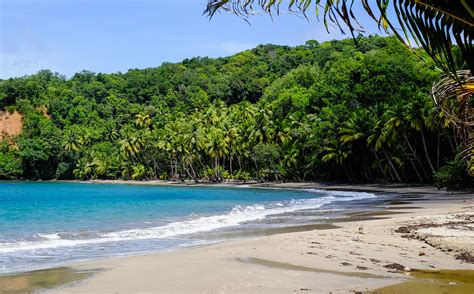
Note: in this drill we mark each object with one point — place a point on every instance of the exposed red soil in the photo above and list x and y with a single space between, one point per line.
10 124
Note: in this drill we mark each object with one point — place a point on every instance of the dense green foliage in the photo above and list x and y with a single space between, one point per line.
333 111
452 175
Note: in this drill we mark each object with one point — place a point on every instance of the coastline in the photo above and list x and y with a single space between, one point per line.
350 256
402 188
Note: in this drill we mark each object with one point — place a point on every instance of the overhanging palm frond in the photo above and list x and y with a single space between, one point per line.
453 97
433 24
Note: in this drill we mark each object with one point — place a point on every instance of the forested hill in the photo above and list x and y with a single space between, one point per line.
338 110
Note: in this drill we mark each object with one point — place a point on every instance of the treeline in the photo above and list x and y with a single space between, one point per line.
338 110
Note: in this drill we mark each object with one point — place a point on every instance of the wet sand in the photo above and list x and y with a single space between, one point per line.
42 279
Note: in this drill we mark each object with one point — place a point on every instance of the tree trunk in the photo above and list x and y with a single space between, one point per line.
416 170
392 166
414 154
426 150
171 167
346 172
258 170
195 178
379 164
216 164
437 152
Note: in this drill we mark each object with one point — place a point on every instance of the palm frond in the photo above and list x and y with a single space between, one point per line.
453 97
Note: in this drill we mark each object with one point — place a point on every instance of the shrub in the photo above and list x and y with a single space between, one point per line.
10 167
453 175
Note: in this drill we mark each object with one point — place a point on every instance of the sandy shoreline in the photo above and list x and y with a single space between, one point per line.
358 254
380 188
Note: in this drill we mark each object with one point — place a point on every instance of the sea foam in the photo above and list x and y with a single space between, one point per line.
237 215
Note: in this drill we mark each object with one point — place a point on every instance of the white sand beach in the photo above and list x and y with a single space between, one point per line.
362 253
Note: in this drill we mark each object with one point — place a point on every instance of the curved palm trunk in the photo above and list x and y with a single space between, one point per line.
195 177
392 165
216 166
414 154
437 152
379 164
346 172
416 170
426 150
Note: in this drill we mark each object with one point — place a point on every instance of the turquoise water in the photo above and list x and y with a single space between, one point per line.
45 224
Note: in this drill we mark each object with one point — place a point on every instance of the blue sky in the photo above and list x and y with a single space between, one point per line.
67 36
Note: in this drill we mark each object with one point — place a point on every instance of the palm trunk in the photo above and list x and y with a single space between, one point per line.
379 164
171 167
420 178
351 171
437 152
426 150
414 154
416 170
195 178
392 166
216 164
346 172
258 170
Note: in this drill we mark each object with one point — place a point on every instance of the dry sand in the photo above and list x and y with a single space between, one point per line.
351 257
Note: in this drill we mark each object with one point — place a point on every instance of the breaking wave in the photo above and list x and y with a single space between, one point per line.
237 215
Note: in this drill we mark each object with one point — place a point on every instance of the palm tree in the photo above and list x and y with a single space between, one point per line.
131 146
414 113
380 142
217 147
142 120
395 125
337 152
454 100
355 131
71 142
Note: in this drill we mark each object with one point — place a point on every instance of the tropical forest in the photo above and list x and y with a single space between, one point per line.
355 110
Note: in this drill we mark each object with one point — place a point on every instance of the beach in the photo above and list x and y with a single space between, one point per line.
427 230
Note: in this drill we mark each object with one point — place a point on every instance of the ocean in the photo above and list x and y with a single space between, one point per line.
54 223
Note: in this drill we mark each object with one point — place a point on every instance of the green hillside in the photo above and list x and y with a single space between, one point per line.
339 110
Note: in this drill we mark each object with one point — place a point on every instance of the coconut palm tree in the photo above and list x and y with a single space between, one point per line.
381 142
453 97
396 125
414 113
337 152
71 142
355 131
142 120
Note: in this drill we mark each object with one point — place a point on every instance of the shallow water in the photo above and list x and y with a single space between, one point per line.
42 279
48 224
434 282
